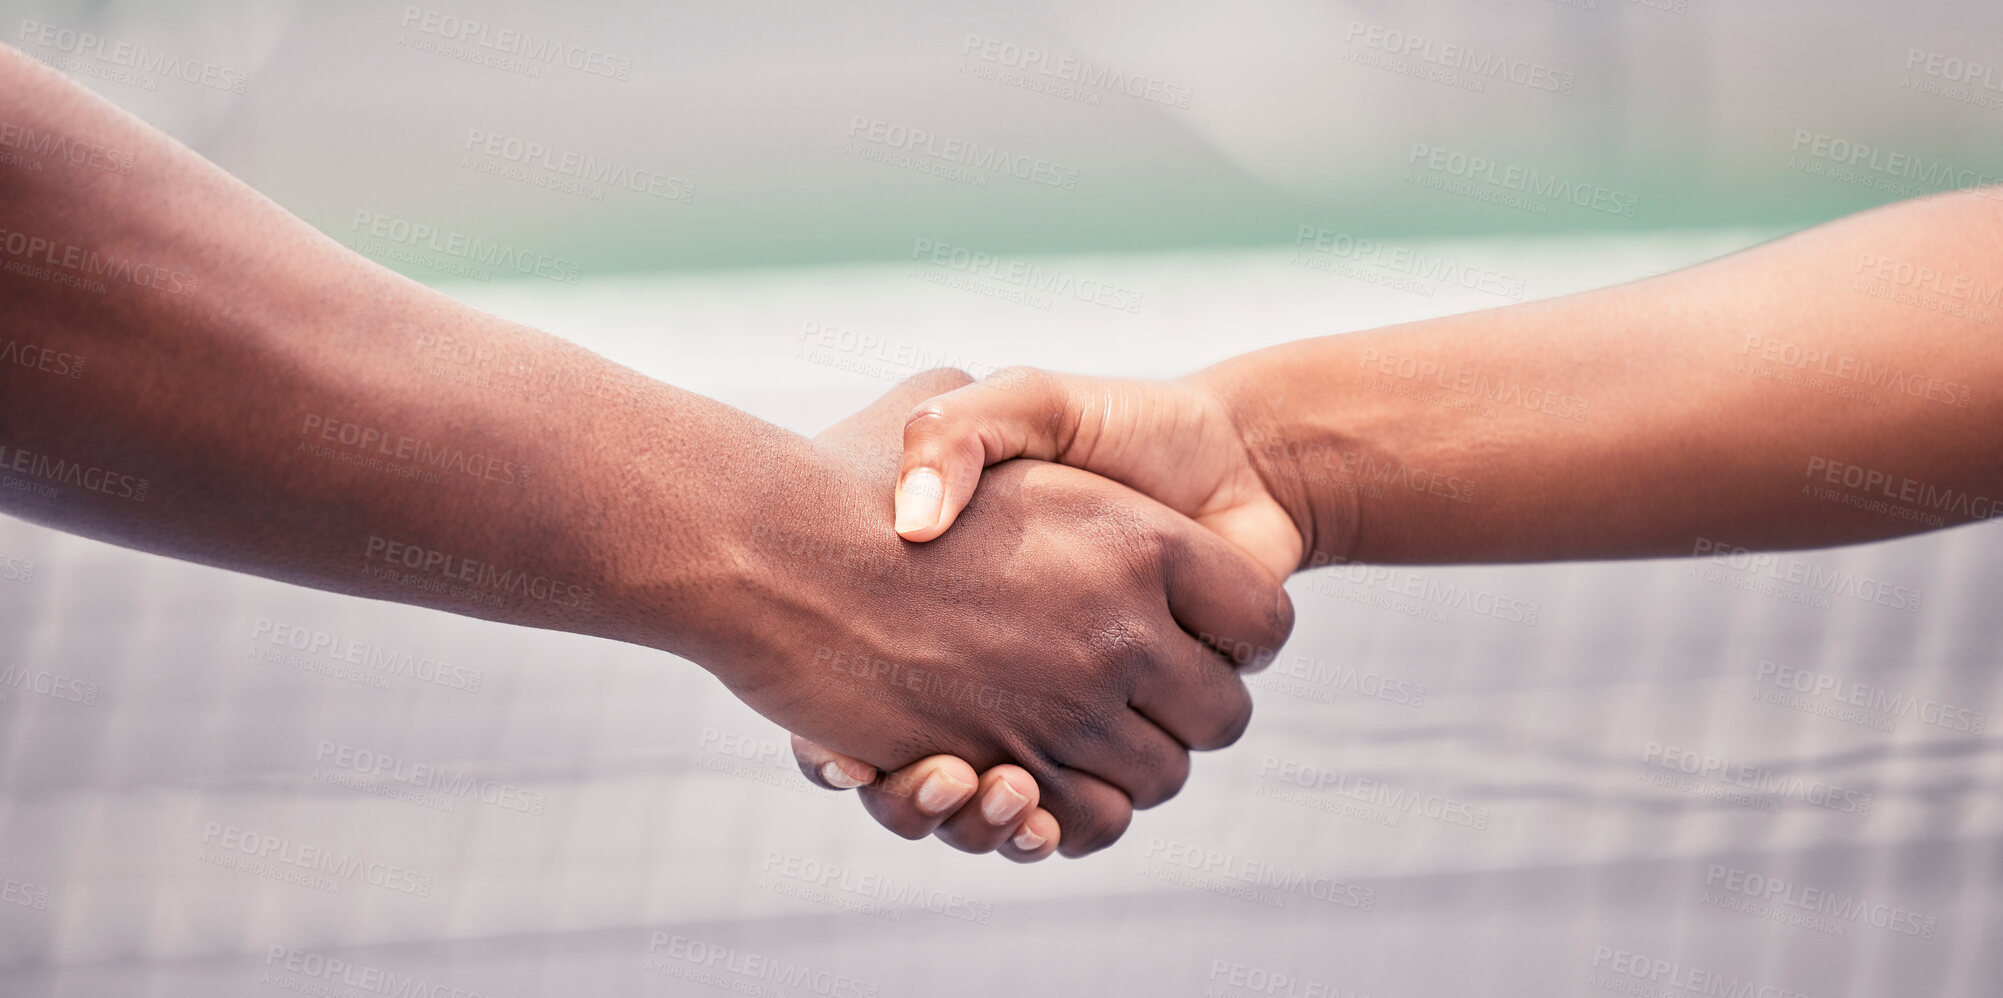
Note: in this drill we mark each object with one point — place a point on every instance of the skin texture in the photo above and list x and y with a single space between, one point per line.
271 388
1739 404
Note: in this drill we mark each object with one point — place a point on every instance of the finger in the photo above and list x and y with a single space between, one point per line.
1018 412
1136 756
1230 602
1006 796
1093 813
1196 696
1036 838
914 800
828 769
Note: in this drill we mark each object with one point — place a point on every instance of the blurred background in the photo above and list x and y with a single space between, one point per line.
1493 781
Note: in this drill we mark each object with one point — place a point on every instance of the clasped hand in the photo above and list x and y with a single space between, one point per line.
1073 632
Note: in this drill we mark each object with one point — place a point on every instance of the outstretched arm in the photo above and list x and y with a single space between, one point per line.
217 381
195 372
1843 384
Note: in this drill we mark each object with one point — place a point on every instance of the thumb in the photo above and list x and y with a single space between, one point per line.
949 439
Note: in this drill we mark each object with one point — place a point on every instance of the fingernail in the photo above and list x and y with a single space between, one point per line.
919 498
839 778
940 793
1002 804
1029 841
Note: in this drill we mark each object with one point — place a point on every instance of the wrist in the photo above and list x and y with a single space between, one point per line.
1295 441
709 547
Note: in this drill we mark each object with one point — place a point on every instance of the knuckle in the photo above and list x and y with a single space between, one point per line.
953 836
1090 821
1231 724
1120 542
1116 648
1083 723
1279 622
1168 776
1017 378
896 815
1096 832
927 417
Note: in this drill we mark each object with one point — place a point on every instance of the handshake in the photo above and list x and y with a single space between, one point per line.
1071 633
1009 609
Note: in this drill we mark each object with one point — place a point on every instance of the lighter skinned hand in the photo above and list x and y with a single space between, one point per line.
1171 440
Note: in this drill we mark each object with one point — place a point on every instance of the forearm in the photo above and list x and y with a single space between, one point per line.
1711 405
214 380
